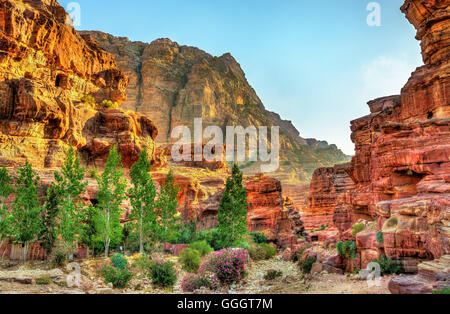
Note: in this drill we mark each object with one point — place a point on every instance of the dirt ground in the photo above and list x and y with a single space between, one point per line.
291 282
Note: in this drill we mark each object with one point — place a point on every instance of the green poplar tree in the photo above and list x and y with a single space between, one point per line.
233 211
25 222
5 191
167 203
142 197
48 235
111 193
69 187
88 234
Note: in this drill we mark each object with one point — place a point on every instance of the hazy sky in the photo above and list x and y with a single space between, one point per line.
316 63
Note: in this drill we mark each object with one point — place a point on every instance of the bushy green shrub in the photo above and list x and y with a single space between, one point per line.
257 253
190 260
306 264
388 266
44 280
259 238
442 291
59 256
119 261
272 274
143 263
270 250
380 238
116 271
243 245
88 99
392 222
162 272
110 104
262 251
210 236
188 233
93 173
357 228
202 247
347 249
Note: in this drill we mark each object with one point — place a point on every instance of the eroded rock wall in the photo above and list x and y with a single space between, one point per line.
46 71
401 171
329 193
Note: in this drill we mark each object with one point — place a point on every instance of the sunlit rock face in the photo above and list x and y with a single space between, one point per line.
401 170
46 71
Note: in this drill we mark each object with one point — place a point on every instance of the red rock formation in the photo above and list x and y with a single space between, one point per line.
329 191
269 212
402 162
46 70
272 215
432 276
298 193
401 170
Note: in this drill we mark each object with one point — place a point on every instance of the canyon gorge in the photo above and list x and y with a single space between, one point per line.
53 80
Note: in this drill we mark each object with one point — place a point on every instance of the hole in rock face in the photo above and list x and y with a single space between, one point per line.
430 115
58 80
62 81
315 239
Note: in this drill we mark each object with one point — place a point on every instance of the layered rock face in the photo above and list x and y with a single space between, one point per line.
432 276
175 84
403 148
271 214
401 170
46 72
329 192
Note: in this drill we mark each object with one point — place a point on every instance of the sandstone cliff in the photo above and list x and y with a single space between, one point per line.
46 71
174 84
52 83
400 175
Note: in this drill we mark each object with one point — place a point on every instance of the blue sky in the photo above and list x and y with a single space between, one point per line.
316 63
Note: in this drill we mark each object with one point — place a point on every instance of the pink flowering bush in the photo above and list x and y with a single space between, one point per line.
115 271
193 282
162 272
229 265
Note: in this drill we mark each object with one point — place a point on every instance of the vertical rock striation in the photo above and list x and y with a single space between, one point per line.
401 170
46 71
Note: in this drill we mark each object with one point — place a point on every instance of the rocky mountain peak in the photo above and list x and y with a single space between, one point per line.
174 84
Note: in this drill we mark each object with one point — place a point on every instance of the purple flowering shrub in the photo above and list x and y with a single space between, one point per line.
194 282
229 265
